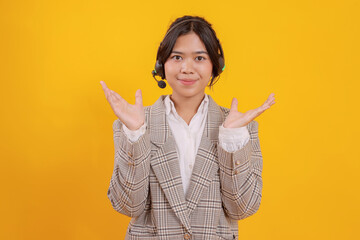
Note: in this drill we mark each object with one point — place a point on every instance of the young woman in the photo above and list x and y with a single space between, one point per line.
185 167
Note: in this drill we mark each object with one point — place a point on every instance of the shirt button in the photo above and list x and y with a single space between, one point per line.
237 162
236 172
190 166
187 236
130 154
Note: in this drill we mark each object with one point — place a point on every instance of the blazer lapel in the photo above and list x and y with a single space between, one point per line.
165 162
206 162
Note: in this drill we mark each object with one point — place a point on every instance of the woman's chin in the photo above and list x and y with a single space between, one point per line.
187 94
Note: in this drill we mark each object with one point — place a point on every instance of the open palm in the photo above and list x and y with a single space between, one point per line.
133 116
236 119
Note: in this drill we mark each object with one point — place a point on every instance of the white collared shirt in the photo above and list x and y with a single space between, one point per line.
188 137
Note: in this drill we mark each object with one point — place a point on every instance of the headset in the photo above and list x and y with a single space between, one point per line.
159 66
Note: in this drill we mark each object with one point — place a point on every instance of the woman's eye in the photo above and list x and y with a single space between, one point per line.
176 57
200 58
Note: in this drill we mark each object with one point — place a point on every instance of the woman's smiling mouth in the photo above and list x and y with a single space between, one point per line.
187 81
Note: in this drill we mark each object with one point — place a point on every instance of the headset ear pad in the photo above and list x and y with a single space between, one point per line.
221 65
159 68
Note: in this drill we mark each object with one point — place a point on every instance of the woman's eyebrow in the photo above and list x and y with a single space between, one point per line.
197 52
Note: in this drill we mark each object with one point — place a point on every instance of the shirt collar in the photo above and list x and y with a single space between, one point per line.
170 107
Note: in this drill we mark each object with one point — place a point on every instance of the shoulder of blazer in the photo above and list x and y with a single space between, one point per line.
154 108
225 110
147 111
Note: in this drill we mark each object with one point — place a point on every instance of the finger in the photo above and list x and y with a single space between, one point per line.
105 88
112 96
234 105
265 106
270 97
138 98
117 96
103 84
270 100
260 110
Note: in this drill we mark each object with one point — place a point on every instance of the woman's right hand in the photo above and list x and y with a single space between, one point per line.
133 116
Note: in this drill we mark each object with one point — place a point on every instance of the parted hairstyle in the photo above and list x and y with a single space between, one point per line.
206 33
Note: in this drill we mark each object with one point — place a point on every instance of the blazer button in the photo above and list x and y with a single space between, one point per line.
237 162
187 236
236 172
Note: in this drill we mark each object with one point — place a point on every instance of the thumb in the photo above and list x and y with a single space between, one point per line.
138 98
234 105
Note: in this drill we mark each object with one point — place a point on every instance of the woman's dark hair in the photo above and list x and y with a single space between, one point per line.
203 29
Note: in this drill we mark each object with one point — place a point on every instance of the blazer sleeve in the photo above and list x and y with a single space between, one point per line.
129 184
240 177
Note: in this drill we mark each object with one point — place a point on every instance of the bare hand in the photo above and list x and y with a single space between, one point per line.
133 116
236 119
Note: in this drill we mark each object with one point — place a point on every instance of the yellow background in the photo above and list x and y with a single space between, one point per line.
56 126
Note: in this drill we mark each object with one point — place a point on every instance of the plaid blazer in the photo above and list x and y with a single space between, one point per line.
146 182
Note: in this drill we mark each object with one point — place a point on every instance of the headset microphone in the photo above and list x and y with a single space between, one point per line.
161 83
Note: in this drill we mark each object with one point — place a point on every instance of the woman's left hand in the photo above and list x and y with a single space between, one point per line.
236 119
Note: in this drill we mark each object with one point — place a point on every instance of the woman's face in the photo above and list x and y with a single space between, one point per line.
189 68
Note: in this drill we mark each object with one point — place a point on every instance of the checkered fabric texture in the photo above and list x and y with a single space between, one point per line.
146 183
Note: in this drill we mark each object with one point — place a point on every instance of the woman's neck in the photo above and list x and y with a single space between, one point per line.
187 107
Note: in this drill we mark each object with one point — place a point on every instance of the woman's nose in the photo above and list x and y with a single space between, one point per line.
187 67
